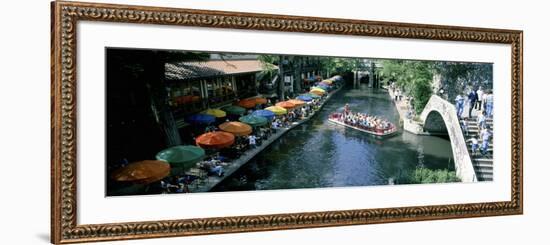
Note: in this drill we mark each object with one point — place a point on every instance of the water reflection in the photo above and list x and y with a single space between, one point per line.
321 154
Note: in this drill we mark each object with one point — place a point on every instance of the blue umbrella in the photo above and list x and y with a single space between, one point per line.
304 97
323 86
201 119
269 115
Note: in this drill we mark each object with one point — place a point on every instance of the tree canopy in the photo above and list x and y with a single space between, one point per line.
414 77
417 78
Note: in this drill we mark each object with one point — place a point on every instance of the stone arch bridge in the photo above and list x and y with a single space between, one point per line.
440 117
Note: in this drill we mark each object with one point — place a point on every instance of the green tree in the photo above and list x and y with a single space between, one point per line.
269 68
342 65
413 77
457 77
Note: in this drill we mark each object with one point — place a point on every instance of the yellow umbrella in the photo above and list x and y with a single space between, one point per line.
318 90
215 112
327 81
277 110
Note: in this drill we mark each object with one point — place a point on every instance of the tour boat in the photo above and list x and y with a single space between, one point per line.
336 119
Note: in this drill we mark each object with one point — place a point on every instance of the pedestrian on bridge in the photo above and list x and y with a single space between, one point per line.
489 104
475 145
485 136
464 126
479 93
459 100
481 121
472 97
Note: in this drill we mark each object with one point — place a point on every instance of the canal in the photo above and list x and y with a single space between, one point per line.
321 154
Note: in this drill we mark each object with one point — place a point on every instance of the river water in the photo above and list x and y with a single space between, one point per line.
321 154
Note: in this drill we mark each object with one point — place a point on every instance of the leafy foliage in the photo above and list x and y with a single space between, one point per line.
417 78
342 65
413 77
424 175
458 77
269 68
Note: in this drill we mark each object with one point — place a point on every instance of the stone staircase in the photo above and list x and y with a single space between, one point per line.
483 164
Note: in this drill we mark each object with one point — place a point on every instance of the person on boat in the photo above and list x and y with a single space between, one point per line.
365 121
347 110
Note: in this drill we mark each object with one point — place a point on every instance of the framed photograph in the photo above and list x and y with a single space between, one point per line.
175 122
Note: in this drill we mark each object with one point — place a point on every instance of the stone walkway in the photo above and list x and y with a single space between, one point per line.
401 105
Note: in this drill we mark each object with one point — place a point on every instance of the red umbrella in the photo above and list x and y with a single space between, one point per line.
215 140
143 172
260 101
247 103
286 105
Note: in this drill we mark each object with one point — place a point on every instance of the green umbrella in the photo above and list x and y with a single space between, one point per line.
182 155
234 110
253 121
315 96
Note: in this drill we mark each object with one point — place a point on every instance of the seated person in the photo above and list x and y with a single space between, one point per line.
212 168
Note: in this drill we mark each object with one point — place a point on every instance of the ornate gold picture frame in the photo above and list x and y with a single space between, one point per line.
66 15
